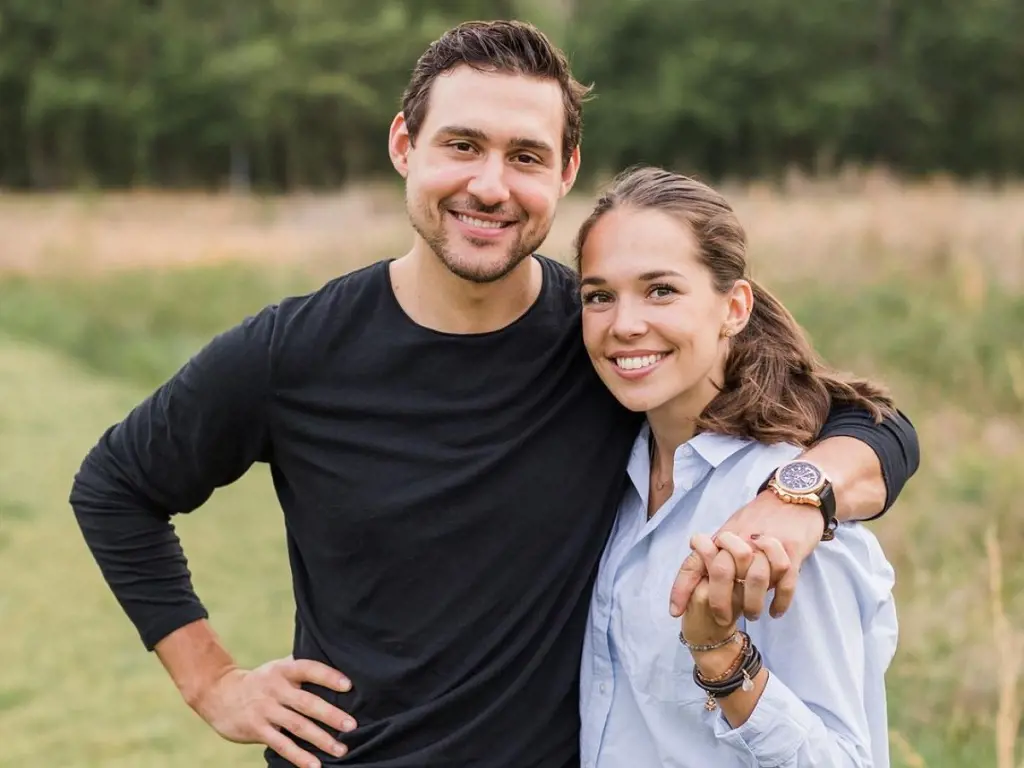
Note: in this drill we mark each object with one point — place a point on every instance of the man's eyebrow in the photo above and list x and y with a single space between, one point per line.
534 144
464 131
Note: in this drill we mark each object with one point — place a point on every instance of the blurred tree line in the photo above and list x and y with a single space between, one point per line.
286 94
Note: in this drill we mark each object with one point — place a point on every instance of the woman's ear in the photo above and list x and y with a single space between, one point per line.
740 305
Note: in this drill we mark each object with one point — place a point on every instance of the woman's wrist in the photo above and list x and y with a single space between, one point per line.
719 661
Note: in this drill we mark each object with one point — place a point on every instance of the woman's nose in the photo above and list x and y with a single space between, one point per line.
628 322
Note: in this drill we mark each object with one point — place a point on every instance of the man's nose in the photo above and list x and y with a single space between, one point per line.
488 185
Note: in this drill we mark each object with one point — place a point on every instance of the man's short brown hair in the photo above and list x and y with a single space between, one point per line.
511 47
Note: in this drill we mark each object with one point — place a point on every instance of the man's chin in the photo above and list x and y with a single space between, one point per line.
482 270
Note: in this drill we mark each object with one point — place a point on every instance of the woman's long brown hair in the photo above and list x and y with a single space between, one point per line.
776 389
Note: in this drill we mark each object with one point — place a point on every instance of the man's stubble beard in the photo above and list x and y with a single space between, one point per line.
437 240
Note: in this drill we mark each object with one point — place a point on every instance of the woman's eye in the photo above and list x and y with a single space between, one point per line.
662 291
596 297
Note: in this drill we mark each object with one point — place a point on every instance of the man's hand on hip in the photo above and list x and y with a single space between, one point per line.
254 706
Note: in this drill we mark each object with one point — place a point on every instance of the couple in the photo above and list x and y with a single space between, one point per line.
489 464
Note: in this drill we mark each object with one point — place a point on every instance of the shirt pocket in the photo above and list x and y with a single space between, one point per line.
661 667
666 676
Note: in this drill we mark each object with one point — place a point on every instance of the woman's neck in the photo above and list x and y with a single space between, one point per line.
675 422
668 435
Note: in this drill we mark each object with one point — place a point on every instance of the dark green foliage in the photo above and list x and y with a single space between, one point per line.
284 95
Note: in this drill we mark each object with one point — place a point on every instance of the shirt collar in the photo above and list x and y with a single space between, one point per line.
711 447
693 459
714 448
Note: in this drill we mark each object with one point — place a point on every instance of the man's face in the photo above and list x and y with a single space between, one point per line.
486 172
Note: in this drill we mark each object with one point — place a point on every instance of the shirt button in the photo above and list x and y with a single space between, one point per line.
687 451
603 688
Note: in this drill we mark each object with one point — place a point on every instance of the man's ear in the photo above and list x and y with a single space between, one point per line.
569 173
399 144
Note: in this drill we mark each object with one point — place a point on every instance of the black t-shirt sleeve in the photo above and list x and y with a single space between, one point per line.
200 430
894 441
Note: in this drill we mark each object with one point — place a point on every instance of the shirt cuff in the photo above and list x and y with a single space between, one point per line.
776 728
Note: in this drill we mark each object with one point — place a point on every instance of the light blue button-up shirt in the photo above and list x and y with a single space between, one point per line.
824 703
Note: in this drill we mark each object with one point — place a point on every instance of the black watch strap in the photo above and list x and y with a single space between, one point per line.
828 511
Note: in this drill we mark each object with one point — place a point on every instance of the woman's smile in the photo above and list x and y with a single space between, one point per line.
633 365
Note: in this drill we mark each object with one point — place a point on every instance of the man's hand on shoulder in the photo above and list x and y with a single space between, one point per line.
254 706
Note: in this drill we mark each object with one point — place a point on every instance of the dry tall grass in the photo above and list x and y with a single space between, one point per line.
836 232
1009 644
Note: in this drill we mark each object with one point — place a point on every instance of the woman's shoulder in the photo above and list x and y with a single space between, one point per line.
752 465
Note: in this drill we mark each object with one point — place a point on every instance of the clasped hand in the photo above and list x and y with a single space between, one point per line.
760 548
739 575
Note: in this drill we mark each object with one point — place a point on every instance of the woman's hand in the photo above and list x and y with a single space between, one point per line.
700 627
714 608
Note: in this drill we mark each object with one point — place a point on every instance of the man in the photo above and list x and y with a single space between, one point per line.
446 459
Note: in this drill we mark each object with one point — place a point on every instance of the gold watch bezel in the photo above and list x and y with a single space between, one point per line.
779 485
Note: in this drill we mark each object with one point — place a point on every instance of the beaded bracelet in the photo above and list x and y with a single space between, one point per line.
735 666
735 636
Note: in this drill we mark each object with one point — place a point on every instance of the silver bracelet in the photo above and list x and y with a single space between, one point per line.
713 646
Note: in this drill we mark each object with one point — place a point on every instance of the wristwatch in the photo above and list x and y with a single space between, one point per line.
803 482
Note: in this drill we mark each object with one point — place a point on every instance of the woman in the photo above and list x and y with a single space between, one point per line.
675 328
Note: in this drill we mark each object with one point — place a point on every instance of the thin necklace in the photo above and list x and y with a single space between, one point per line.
659 485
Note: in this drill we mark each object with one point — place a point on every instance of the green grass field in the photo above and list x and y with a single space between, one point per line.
77 350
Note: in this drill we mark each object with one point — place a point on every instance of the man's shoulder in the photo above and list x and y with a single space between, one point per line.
333 293
563 286
297 324
564 276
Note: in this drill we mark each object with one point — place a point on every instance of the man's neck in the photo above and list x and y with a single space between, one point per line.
435 298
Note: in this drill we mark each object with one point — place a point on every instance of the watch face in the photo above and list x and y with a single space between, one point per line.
800 477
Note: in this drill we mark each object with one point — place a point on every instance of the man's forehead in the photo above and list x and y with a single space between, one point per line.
499 104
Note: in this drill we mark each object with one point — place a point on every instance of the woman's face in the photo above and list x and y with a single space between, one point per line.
653 322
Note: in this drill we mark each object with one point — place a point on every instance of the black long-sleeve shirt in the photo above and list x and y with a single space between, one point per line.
446 499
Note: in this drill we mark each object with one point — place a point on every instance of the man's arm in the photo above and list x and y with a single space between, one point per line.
869 463
199 431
